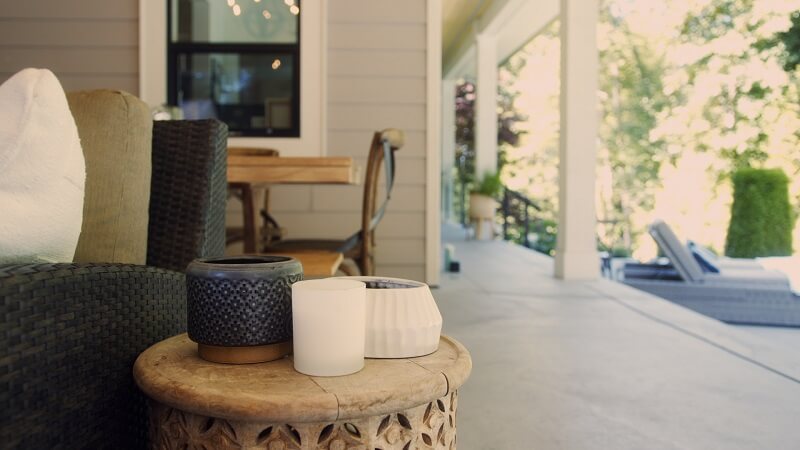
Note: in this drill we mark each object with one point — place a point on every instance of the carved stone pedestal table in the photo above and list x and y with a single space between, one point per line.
399 404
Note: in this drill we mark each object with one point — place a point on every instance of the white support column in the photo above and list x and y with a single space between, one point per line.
576 251
448 146
486 105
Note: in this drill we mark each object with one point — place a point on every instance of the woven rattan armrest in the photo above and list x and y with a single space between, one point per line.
69 334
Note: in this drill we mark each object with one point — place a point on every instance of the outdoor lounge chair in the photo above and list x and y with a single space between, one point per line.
745 296
711 262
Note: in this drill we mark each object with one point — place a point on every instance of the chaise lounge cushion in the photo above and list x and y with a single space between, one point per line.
116 131
41 171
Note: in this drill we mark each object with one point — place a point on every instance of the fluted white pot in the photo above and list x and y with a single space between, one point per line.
402 319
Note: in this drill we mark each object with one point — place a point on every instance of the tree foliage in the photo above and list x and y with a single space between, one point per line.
508 135
734 93
632 97
791 44
713 91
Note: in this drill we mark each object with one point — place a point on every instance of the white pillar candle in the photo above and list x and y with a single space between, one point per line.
328 317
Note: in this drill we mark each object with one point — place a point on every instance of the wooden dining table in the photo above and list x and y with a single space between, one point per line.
248 172
290 169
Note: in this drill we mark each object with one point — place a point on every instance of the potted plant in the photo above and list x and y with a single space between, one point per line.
482 203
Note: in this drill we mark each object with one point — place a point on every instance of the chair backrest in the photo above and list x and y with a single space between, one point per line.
187 201
677 253
381 153
705 257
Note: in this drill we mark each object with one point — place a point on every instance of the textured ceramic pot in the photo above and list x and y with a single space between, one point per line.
239 309
402 319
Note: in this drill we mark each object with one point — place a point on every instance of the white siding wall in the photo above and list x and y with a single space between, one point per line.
376 79
87 43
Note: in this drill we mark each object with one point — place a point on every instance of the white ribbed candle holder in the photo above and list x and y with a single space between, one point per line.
328 321
402 318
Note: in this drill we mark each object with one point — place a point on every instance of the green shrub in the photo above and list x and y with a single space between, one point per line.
761 216
489 185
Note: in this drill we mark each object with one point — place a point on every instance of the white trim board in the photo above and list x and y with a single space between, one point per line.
433 226
313 74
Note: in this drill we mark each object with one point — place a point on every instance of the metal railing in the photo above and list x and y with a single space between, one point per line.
522 221
517 209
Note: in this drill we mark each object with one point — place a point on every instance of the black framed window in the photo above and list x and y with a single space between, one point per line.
237 61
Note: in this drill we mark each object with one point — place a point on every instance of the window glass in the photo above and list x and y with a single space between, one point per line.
237 61
235 21
247 91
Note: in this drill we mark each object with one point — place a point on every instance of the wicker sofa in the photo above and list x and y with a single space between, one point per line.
69 333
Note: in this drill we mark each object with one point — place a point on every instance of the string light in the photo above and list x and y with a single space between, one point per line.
294 10
237 10
231 2
276 64
267 15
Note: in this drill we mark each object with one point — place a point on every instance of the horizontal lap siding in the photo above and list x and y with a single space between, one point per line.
88 44
376 80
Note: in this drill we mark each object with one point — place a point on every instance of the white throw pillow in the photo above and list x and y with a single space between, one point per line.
42 171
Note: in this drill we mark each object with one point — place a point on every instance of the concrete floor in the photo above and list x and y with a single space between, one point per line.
598 365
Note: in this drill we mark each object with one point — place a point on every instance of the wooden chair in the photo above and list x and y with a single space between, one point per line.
359 246
249 232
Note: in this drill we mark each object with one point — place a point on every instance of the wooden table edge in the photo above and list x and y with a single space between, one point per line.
326 405
291 161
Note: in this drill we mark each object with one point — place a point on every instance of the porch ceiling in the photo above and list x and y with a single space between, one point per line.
457 19
512 22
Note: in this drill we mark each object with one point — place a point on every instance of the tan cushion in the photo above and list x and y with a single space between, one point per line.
116 131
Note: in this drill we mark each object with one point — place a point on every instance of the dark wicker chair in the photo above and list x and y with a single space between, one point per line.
359 247
69 333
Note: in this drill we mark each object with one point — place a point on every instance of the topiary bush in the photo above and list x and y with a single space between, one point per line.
761 216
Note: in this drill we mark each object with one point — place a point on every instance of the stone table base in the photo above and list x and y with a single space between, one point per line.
403 404
428 426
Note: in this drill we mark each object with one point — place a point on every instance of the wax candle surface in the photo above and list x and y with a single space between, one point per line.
328 317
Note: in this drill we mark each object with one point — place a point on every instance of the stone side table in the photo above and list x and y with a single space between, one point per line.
399 404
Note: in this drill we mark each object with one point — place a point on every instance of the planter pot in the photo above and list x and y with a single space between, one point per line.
482 207
239 309
402 319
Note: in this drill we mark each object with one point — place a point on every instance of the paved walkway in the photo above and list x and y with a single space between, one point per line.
598 365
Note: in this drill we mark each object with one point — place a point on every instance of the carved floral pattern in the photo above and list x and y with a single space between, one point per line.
428 426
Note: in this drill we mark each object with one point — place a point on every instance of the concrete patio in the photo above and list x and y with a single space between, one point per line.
580 365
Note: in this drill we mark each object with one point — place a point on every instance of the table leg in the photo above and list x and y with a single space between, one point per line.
248 209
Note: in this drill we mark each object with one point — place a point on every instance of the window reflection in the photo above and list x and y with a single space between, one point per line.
235 21
236 61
